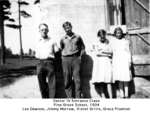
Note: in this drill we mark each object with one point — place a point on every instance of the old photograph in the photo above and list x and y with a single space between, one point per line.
75 49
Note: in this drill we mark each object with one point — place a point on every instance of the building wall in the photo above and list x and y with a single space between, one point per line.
136 16
86 16
138 22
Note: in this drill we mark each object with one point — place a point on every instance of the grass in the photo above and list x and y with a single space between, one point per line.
15 67
16 63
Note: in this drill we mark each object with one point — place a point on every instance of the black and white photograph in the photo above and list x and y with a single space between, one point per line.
75 49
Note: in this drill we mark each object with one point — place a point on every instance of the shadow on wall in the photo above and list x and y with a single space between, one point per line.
86 75
131 83
60 87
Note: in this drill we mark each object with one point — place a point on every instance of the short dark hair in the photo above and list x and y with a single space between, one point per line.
66 23
101 31
43 24
116 29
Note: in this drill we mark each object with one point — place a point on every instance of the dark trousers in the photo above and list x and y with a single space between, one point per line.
46 72
71 72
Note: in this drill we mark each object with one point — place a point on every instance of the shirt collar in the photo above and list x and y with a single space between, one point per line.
72 37
42 39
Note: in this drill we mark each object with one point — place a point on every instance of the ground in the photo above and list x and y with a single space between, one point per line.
27 87
21 82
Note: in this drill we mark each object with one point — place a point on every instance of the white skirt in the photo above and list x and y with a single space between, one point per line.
102 70
121 70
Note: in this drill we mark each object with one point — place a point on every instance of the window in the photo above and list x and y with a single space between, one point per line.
116 12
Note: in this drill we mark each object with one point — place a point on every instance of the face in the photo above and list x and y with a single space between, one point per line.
119 34
68 29
43 31
102 37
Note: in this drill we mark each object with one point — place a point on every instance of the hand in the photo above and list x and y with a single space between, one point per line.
130 64
99 51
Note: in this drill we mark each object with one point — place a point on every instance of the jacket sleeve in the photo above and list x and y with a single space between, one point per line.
82 46
61 44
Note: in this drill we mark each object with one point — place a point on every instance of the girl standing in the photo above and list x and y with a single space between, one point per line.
121 62
102 70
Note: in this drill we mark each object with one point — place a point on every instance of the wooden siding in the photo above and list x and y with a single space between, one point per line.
136 16
138 22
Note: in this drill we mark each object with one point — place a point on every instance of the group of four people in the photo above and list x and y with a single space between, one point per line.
72 48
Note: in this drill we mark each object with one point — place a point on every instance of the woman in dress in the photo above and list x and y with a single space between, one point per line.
121 62
102 70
